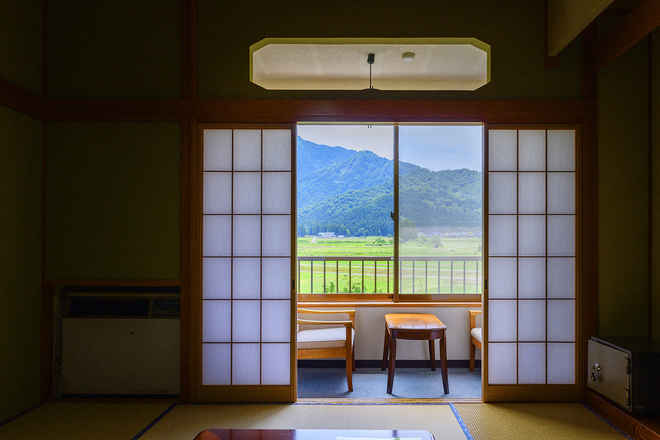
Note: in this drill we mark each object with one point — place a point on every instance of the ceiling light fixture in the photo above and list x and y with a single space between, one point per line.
408 56
338 63
370 60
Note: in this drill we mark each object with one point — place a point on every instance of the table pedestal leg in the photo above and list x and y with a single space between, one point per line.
390 371
443 363
386 347
432 353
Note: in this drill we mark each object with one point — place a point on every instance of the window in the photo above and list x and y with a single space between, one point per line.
390 212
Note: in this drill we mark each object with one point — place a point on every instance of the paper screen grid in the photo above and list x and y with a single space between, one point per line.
531 256
246 319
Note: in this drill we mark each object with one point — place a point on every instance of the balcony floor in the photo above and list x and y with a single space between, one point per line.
371 383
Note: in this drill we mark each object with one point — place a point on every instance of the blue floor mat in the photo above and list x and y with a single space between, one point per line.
420 383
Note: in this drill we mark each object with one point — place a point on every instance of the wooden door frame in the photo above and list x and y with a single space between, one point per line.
580 113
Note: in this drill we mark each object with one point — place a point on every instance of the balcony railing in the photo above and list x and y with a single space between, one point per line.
417 275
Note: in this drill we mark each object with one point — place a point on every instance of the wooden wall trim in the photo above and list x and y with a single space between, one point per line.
112 283
47 321
288 111
533 393
188 262
589 236
637 24
21 100
626 422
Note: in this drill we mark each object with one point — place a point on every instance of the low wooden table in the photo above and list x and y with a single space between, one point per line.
308 434
417 326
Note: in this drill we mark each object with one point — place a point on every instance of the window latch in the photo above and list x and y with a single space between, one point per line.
392 214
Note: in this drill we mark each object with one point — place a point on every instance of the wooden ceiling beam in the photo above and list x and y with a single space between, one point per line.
637 24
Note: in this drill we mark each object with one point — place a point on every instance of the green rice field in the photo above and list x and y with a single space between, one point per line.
371 270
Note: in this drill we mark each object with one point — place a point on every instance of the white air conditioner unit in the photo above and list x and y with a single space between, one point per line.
120 344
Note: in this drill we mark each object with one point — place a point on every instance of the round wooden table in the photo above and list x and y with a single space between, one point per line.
416 326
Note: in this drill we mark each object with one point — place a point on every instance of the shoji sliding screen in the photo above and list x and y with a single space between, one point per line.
247 253
532 251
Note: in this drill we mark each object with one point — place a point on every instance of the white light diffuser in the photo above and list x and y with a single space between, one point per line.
341 63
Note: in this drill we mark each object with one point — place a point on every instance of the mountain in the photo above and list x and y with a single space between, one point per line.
312 157
354 195
342 173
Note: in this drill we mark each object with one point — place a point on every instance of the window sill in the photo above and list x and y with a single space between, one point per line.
388 304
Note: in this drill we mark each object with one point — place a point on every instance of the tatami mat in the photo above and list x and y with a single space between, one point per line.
164 421
539 421
185 421
83 421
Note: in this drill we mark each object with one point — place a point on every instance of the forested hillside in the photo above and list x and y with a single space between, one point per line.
353 195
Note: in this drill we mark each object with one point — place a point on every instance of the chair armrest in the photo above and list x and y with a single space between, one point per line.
310 322
325 312
350 313
473 318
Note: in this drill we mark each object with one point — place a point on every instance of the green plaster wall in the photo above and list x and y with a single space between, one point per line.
514 29
20 265
113 201
623 194
21 43
114 49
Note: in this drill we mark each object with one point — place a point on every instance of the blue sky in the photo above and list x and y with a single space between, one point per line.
436 147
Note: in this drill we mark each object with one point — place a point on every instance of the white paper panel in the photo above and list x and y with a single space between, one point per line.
217 150
246 321
502 277
216 364
247 193
245 363
276 321
247 235
561 235
531 193
276 193
275 364
502 235
531 235
276 235
217 235
216 321
502 320
531 278
217 278
531 320
502 189
277 150
276 278
561 150
247 150
501 364
246 275
531 150
503 150
561 193
561 363
217 193
531 363
561 277
561 320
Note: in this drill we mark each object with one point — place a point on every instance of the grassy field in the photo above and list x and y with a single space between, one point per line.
377 276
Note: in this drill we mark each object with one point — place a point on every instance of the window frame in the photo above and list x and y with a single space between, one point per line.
394 296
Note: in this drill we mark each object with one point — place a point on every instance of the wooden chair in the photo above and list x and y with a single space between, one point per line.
328 342
476 336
